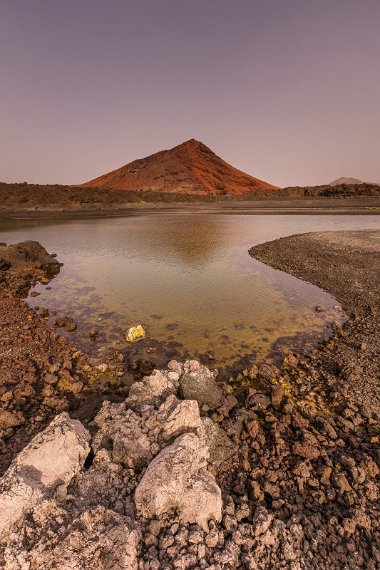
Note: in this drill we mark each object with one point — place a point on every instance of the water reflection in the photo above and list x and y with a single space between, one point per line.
187 278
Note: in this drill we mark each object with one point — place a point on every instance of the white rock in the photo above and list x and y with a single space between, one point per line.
123 428
176 366
50 460
176 479
173 418
152 390
202 500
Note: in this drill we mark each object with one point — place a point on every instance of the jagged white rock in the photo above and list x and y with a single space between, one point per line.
51 459
152 390
124 428
177 479
173 418
152 429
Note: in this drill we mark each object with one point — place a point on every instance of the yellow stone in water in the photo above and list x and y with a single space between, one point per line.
134 333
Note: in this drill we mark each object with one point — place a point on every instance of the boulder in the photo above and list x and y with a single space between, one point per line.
122 430
177 480
198 383
152 390
173 418
50 460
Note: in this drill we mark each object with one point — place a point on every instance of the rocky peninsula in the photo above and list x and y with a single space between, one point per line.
173 472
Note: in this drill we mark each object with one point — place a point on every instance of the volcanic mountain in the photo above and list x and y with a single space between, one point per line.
189 168
344 180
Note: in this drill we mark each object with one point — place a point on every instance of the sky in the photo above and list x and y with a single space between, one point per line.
285 90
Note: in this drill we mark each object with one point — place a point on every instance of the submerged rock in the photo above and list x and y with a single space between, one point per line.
66 323
134 334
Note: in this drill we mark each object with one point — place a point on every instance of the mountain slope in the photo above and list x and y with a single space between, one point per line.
189 168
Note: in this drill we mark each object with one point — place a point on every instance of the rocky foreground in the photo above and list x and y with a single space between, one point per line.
177 473
347 265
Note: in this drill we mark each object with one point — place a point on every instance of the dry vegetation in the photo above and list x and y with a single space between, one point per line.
23 196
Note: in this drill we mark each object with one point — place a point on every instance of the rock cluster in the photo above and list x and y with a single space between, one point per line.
25 263
165 485
149 460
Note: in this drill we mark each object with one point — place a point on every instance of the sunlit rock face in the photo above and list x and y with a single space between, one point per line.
189 168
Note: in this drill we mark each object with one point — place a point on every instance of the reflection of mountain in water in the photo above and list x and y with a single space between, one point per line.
186 278
195 241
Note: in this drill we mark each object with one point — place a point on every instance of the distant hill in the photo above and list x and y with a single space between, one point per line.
344 180
189 168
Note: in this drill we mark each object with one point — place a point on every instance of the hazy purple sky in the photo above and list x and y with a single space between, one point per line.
286 90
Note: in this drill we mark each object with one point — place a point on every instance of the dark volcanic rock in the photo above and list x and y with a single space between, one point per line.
198 383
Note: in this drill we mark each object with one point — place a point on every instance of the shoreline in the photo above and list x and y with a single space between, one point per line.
311 206
296 464
346 264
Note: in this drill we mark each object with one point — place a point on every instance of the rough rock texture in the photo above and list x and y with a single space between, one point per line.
278 484
168 436
41 373
98 539
189 168
123 428
297 465
149 462
152 390
24 263
223 451
347 265
176 480
198 383
50 460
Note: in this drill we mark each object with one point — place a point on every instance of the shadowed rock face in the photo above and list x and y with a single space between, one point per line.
24 263
189 168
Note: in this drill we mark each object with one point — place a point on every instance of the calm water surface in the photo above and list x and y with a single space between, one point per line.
188 279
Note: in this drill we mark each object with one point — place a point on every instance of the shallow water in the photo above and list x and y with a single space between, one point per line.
188 279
